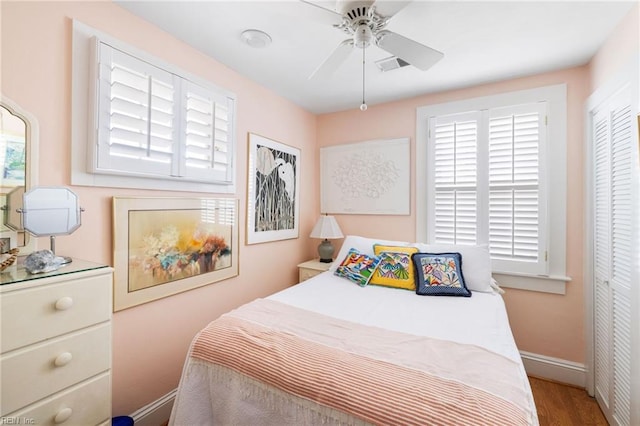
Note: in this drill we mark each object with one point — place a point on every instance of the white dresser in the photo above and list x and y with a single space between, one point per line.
55 365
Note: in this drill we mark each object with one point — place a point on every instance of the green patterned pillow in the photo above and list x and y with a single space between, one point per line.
395 268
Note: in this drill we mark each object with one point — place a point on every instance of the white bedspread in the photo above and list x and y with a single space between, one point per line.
480 320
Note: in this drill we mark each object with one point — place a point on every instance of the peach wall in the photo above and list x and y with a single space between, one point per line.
620 47
150 341
542 323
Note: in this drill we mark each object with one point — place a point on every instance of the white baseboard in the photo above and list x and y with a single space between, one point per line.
156 413
556 369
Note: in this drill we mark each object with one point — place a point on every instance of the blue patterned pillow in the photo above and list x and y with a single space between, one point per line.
439 274
357 267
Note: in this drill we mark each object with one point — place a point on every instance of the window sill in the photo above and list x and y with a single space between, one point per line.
555 284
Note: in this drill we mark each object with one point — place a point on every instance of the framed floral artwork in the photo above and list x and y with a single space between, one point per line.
163 246
273 203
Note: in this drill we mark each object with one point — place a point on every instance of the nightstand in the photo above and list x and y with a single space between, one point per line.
311 268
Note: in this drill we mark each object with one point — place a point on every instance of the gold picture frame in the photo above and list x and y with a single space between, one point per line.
164 246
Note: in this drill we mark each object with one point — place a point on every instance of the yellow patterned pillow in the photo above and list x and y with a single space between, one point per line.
395 268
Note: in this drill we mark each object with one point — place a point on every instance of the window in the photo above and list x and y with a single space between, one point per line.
484 168
151 125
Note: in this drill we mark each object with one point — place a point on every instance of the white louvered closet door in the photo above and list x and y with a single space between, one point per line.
614 169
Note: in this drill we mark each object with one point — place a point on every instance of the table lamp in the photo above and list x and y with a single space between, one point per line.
326 228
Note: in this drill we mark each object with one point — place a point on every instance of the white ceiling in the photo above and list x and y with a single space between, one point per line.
482 42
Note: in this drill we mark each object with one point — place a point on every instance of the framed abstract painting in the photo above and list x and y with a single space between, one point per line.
164 246
273 196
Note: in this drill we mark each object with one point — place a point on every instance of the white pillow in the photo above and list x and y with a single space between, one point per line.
363 245
476 263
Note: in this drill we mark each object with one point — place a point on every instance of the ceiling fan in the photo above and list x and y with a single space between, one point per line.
365 21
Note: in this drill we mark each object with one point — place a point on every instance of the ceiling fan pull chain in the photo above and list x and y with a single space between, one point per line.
363 107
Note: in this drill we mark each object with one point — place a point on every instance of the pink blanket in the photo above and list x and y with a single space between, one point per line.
375 375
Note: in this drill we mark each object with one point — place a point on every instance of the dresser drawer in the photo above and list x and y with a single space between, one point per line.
88 403
35 372
35 314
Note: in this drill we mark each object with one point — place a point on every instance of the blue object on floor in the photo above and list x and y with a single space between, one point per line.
122 421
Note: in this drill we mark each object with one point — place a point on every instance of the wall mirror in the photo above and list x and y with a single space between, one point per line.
18 156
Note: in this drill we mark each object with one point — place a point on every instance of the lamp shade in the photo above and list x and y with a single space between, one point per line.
326 228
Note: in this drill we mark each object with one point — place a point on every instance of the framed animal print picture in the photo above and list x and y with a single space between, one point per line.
273 204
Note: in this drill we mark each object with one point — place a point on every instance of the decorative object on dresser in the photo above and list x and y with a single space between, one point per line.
56 345
43 261
8 258
273 196
163 246
328 229
311 268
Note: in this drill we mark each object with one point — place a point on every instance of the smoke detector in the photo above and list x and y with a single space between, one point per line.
256 38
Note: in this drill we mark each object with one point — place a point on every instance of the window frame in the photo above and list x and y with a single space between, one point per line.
554 279
84 134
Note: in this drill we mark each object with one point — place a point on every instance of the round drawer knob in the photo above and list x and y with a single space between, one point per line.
64 303
63 415
63 359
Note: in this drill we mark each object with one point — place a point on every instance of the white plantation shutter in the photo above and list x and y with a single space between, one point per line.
455 168
489 184
137 115
154 123
516 193
207 145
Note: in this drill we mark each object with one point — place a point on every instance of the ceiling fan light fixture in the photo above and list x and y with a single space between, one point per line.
256 38
363 36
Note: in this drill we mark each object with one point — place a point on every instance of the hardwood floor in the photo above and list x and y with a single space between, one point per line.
560 405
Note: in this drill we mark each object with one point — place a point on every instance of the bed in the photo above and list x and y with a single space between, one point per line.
327 351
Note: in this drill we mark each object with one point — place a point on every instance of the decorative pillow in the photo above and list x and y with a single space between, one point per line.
476 265
439 274
357 267
395 268
363 245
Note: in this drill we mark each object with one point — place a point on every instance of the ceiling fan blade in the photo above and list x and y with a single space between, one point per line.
390 8
337 57
418 55
327 15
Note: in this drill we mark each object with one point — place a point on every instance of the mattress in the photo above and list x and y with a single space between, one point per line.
210 394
